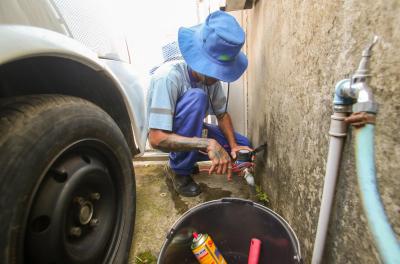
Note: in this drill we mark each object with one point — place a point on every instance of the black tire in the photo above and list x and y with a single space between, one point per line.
67 187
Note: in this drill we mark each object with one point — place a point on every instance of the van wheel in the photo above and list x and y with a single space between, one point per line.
67 188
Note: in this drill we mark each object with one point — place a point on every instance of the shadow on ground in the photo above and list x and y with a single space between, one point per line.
159 206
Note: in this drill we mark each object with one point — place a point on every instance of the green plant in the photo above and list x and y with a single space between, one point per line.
145 257
261 195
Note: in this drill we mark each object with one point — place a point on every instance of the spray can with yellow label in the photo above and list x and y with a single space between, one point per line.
205 250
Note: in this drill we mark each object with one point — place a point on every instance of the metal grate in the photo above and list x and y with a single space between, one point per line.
93 23
170 52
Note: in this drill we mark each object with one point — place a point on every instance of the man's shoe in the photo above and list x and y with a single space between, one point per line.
196 169
183 184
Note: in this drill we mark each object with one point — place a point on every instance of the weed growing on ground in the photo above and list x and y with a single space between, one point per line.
261 195
145 258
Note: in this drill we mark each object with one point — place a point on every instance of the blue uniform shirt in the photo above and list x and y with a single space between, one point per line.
167 85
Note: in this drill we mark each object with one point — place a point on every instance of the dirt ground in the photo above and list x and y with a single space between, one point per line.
159 206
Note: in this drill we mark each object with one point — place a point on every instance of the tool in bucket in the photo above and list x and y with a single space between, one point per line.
254 253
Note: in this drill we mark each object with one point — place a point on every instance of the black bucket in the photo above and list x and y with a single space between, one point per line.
232 223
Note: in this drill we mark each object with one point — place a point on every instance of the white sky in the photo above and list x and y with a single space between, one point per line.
153 23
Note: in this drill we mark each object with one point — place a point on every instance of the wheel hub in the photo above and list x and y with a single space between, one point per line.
64 222
86 213
85 210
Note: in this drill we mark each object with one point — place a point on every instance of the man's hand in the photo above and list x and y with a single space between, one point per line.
237 148
221 161
167 141
225 124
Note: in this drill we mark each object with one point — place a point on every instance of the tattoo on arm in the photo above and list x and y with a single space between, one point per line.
179 143
174 142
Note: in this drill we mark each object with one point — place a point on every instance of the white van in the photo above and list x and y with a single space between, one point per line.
71 118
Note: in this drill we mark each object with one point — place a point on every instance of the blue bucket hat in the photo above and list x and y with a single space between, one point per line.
213 48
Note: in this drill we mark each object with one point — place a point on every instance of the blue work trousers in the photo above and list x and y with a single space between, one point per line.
190 111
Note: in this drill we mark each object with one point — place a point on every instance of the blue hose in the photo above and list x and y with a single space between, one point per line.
385 238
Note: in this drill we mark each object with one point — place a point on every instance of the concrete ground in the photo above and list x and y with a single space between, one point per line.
159 206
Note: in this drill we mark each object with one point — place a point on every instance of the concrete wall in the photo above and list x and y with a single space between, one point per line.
297 51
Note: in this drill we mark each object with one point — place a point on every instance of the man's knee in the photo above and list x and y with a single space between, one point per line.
242 140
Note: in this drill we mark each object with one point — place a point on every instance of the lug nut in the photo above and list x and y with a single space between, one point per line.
75 231
94 222
95 196
79 200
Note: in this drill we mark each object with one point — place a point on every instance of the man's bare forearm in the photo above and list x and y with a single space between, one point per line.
167 141
174 142
226 126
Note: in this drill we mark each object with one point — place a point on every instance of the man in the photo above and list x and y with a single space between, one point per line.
182 93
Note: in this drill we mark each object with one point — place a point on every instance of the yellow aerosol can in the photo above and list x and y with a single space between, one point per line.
205 250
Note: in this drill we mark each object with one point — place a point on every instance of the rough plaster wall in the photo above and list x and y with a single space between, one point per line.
238 95
297 51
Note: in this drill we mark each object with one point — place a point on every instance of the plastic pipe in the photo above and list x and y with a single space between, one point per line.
337 132
385 239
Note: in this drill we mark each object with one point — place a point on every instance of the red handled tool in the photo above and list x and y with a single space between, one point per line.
254 254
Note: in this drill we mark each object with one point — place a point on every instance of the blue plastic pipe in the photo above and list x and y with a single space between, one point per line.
385 238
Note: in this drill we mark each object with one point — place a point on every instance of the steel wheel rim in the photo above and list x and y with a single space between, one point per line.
76 212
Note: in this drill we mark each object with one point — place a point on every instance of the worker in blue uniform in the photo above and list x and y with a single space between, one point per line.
182 93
